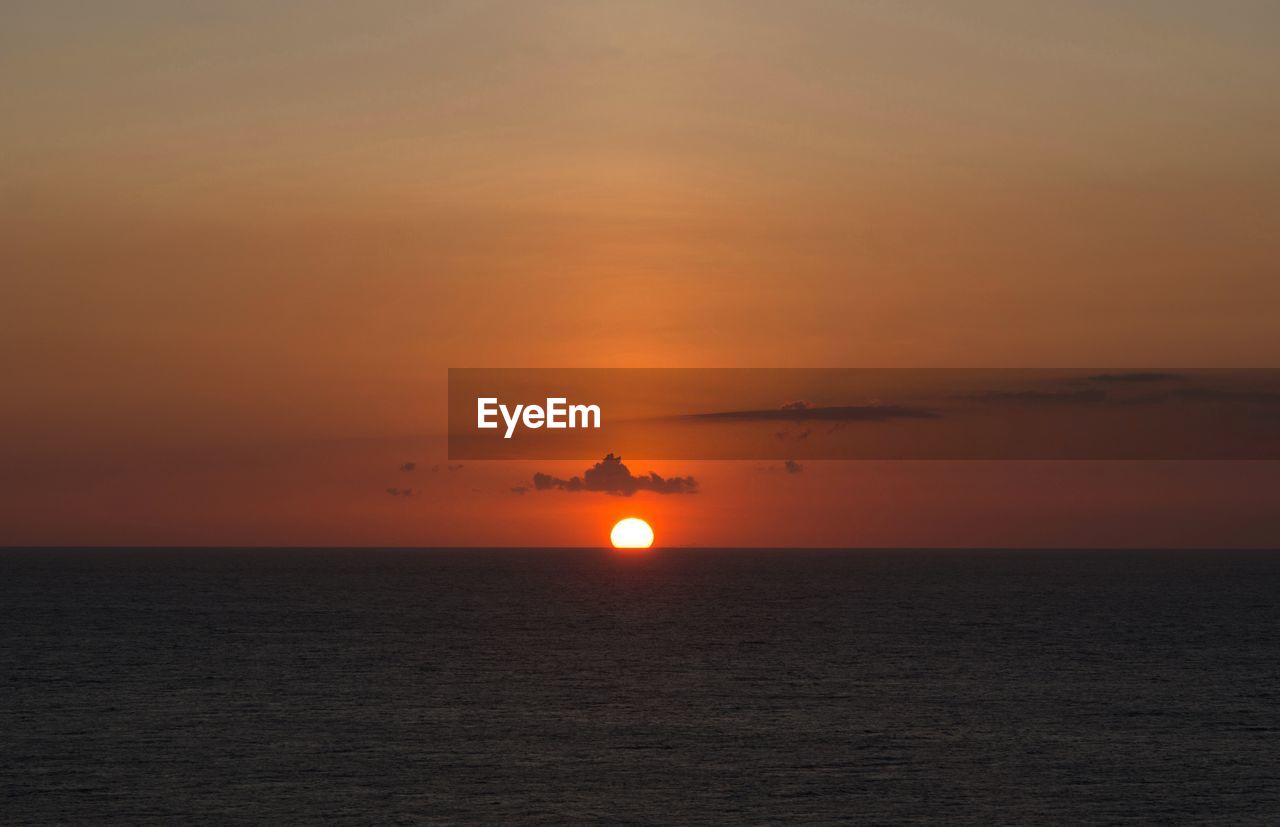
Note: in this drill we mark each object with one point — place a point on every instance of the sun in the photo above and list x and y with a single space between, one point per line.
632 532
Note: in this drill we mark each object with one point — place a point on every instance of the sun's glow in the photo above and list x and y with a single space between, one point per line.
632 532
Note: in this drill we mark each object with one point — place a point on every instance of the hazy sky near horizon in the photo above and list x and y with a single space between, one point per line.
240 232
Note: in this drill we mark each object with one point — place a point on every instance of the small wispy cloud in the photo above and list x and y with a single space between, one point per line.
1036 397
1135 378
1225 395
804 412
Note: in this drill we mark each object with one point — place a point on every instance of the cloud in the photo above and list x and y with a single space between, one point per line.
520 489
610 476
408 466
1128 389
1135 378
789 466
1220 395
400 492
804 412
1042 397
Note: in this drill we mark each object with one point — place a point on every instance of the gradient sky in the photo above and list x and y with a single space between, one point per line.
240 243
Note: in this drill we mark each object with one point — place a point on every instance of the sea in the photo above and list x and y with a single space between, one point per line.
675 686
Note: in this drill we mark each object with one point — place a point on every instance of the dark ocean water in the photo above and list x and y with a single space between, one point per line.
400 686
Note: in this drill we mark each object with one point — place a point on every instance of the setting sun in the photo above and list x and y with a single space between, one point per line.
631 533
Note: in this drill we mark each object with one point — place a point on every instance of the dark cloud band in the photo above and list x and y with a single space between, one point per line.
610 476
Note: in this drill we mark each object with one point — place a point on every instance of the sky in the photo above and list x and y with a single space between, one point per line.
242 243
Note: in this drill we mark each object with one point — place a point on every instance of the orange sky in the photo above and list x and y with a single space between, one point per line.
240 245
